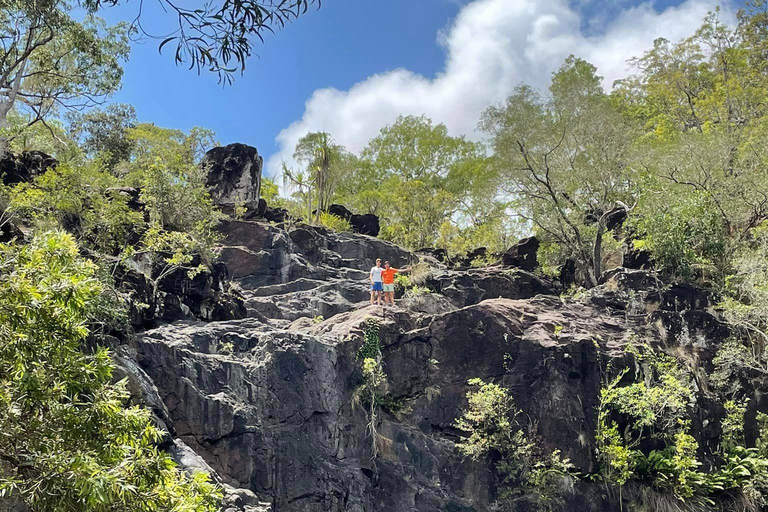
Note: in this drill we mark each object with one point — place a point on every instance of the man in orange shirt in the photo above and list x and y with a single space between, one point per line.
388 280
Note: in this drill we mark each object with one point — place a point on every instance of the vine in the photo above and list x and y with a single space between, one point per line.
371 392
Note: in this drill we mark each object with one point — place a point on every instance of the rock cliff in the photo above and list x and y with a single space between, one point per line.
269 402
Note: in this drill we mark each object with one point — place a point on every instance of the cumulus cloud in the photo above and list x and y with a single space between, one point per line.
491 46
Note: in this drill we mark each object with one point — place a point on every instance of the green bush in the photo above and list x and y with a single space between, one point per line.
76 198
655 410
492 424
69 440
334 223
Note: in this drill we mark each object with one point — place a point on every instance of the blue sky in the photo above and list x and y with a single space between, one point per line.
354 51
335 46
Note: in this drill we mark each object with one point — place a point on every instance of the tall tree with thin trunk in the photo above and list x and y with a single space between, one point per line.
565 160
51 62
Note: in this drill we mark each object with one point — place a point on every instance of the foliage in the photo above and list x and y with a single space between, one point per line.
372 392
415 176
370 347
170 251
495 230
165 167
654 407
324 165
565 160
334 223
82 200
491 420
269 190
69 441
51 138
226 348
217 36
105 132
654 411
51 61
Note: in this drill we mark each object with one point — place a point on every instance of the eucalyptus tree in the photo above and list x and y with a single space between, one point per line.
216 35
565 160
50 61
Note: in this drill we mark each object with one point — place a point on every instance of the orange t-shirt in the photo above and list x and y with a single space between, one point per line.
388 276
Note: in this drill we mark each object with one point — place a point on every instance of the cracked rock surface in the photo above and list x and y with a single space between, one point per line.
268 402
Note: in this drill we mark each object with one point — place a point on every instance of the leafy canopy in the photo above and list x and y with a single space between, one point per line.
68 441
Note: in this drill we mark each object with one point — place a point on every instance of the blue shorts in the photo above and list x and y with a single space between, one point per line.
377 287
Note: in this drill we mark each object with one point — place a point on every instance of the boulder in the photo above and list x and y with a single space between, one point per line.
366 224
276 215
233 176
636 259
440 255
615 218
340 211
25 167
477 254
522 254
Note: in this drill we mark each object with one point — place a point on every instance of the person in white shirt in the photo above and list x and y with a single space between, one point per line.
377 288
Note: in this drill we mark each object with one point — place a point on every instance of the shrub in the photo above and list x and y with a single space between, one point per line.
334 223
491 422
69 441
654 409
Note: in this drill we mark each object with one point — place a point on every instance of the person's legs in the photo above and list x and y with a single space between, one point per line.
389 293
376 291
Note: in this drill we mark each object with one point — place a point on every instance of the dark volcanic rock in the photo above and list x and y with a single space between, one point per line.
276 215
10 231
522 254
638 259
233 176
615 218
567 276
271 403
340 211
25 167
440 255
464 288
366 224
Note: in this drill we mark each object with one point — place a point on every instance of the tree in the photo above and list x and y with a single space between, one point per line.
564 161
701 102
217 35
50 62
325 165
105 132
164 165
70 442
414 175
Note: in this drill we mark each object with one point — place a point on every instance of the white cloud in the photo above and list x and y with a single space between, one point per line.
491 46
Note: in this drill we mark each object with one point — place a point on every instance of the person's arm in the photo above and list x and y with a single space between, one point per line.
370 276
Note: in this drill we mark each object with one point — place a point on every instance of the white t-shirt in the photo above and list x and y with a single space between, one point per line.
376 274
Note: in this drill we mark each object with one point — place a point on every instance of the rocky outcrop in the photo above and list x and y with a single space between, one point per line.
24 167
365 224
233 176
270 403
207 295
522 254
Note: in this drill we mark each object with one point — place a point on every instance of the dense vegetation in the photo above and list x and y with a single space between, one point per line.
680 147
